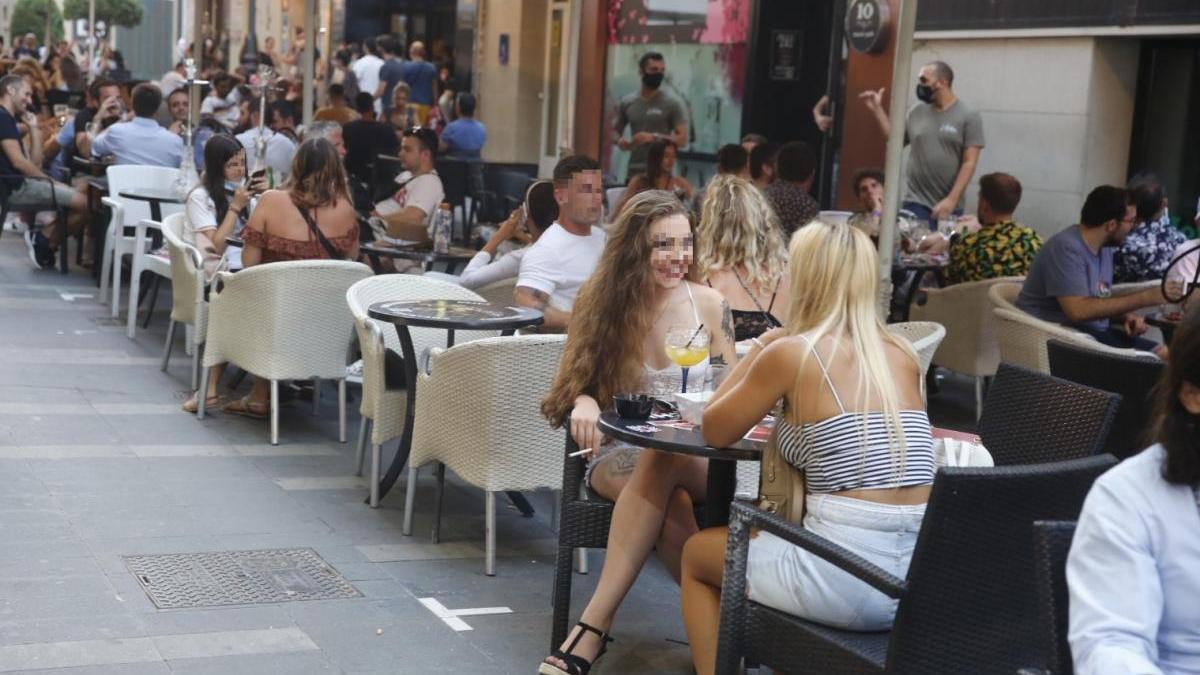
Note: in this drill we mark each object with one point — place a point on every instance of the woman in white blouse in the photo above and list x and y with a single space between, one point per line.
212 215
525 225
1134 567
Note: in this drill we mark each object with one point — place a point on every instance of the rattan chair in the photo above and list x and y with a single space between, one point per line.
283 321
1134 378
1031 418
925 337
970 345
500 292
497 384
188 306
1022 337
1051 544
968 604
383 409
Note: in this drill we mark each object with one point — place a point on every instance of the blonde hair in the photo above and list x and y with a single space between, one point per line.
739 228
835 266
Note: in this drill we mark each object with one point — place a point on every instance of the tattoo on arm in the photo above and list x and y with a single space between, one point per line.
534 297
717 360
727 321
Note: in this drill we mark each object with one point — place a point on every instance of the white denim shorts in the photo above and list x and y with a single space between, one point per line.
792 580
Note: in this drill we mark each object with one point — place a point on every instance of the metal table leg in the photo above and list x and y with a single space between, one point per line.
722 480
410 385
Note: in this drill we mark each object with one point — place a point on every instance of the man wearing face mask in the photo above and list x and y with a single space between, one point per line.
650 114
946 138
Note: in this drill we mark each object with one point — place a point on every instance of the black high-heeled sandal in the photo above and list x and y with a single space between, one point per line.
576 665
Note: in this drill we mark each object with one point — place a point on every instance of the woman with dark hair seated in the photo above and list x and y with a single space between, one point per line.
218 207
1134 568
311 218
660 175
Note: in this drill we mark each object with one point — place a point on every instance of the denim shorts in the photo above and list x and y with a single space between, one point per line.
790 579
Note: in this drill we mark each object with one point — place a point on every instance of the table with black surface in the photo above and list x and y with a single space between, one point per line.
455 258
450 315
917 268
156 196
722 462
1166 325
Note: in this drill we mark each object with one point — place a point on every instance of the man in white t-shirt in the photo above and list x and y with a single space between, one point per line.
279 150
567 253
222 102
366 70
409 213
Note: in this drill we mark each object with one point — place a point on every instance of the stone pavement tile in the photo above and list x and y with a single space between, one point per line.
304 663
334 462
414 646
156 668
177 428
198 468
156 522
250 486
80 605
33 394
45 549
57 430
70 628
65 452
151 545
232 643
212 619
15 658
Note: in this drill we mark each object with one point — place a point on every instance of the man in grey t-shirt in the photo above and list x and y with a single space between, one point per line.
946 138
1070 282
650 114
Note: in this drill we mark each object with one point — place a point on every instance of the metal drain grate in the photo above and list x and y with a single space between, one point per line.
176 581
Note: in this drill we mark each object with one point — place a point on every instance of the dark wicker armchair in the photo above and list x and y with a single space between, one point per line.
1051 543
968 604
1133 378
1032 418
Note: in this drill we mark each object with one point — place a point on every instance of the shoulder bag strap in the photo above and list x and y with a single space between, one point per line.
325 243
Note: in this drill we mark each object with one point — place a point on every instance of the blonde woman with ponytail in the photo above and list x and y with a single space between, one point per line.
742 255
853 420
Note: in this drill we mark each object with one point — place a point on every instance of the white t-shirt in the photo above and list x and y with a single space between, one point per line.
560 262
424 192
280 151
201 216
224 110
366 71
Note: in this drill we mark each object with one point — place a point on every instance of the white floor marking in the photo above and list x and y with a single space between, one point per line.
72 297
451 616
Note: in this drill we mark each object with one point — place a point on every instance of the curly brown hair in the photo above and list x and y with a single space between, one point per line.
603 355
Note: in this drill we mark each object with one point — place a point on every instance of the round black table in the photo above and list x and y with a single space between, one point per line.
450 315
722 462
455 258
916 269
156 196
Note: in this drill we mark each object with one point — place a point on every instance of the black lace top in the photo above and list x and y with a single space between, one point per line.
752 323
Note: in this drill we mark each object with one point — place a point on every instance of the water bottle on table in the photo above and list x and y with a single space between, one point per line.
442 227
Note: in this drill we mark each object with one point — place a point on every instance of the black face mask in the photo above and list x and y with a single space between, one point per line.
652 80
925 93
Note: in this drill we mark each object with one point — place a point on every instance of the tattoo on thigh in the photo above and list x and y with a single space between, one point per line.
622 462
727 321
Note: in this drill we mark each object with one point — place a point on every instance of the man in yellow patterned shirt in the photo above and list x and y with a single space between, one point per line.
1000 248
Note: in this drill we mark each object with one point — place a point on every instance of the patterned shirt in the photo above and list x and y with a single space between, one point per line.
1147 251
998 250
793 205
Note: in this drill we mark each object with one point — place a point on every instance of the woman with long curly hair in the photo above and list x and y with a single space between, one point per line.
311 218
639 291
853 421
1133 573
742 255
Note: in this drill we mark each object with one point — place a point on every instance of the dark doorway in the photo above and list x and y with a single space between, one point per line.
1166 122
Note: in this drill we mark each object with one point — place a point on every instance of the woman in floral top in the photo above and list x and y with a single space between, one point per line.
1001 248
1150 244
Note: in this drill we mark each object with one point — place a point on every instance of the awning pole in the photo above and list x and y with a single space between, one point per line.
897 114
306 59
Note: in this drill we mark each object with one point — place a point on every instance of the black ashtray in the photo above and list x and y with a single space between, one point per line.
634 406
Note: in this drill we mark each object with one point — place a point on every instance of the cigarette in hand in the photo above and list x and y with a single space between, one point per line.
578 453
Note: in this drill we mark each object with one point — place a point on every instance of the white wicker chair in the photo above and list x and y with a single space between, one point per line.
1022 337
925 337
497 384
970 345
188 306
129 213
383 409
500 292
284 321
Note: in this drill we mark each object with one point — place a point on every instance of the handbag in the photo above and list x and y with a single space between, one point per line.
781 485
955 448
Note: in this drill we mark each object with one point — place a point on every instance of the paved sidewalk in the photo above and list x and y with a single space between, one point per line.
97 462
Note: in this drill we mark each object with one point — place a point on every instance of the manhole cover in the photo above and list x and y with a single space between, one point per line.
180 580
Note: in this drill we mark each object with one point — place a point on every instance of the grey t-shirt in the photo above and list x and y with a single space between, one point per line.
657 115
1066 267
938 138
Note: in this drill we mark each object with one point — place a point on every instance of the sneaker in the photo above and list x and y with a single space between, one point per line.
44 256
29 246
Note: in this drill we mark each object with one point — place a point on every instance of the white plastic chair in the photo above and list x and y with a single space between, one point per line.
283 321
383 409
497 384
970 345
129 213
188 306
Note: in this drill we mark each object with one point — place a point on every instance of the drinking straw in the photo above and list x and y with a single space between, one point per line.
689 342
